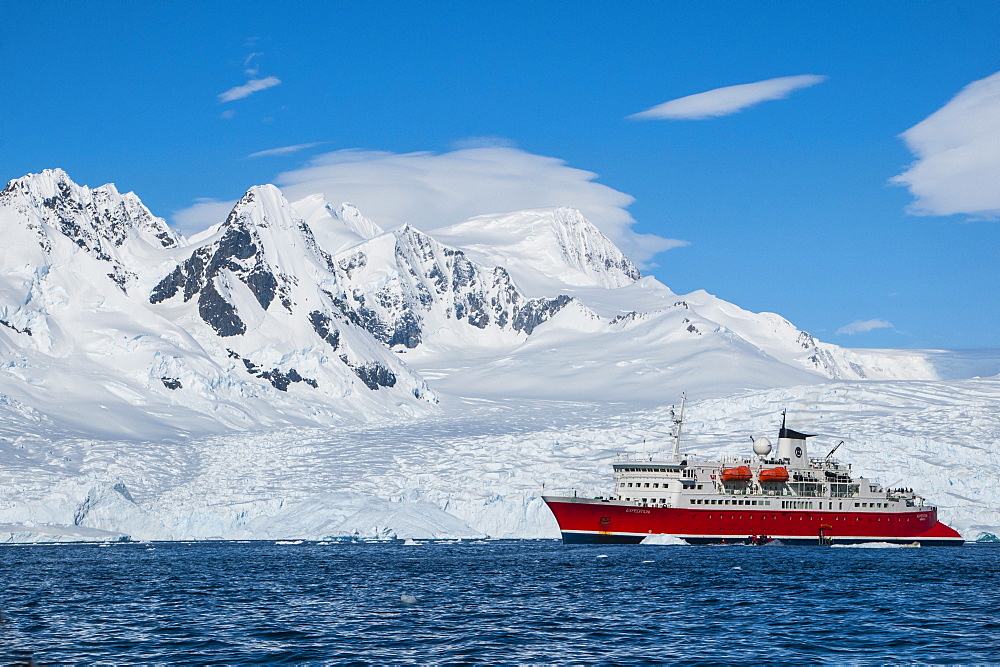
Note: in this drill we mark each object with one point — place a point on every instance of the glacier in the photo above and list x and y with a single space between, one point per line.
298 372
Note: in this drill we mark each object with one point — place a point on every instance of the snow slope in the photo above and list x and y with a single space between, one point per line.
480 467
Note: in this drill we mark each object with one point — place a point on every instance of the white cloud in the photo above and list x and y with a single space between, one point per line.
249 88
958 155
204 213
431 190
285 150
865 326
249 67
728 100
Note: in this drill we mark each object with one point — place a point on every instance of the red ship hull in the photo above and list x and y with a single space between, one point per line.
607 522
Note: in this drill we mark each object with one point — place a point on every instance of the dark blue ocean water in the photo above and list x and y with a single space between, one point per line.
515 602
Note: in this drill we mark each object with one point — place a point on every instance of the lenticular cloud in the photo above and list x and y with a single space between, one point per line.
958 155
728 100
432 190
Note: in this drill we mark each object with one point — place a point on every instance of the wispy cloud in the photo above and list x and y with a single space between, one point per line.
860 327
958 155
728 100
488 141
249 88
285 150
249 67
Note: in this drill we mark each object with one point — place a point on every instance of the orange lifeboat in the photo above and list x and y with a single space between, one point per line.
740 474
773 475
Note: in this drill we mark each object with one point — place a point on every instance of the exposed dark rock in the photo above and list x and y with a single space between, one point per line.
406 331
278 378
626 317
219 313
168 287
537 311
171 383
7 324
374 375
356 261
263 285
323 326
237 252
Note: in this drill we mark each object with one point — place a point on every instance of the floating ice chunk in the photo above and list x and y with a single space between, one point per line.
407 599
662 540
879 545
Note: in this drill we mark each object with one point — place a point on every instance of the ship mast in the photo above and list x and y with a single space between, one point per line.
678 419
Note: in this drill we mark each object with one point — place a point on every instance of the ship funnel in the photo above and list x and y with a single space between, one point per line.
792 446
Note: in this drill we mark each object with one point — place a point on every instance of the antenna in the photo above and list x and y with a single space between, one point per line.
678 420
834 449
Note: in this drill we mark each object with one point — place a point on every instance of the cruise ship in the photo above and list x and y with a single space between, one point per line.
776 494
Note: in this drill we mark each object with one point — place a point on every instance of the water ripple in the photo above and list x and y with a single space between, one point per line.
496 603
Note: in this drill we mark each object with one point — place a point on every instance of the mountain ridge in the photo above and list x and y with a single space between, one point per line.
257 313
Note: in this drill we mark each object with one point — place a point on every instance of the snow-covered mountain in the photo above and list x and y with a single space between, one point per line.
543 249
106 311
338 228
130 354
407 289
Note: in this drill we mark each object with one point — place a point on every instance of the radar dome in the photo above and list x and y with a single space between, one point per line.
761 446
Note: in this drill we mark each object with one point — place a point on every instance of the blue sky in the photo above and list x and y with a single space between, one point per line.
786 205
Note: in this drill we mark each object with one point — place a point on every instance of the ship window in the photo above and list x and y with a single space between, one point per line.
630 485
699 486
655 485
646 485
623 484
